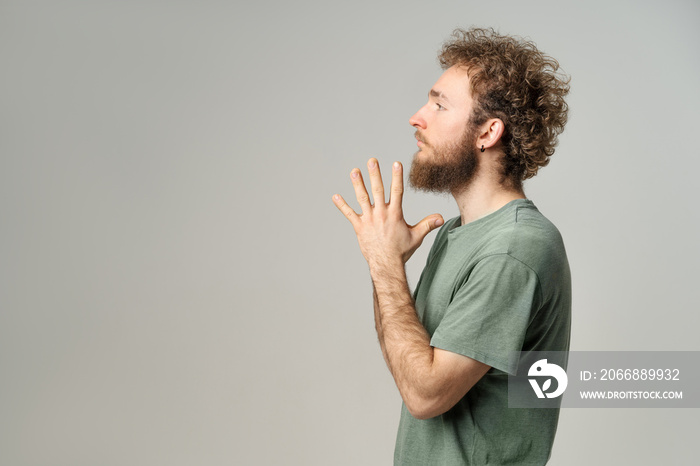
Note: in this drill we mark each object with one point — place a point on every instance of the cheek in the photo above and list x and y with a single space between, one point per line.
451 135
458 127
453 126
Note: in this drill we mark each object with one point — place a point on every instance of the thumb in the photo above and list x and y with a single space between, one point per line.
428 224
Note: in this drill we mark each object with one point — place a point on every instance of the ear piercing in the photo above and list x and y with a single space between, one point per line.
482 148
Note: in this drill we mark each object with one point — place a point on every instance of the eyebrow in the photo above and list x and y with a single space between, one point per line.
435 93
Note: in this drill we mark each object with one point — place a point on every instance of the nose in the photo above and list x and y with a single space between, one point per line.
417 120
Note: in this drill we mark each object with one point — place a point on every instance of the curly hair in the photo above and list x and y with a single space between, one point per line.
512 80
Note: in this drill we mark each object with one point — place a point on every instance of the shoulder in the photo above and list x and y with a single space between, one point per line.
537 243
534 238
529 219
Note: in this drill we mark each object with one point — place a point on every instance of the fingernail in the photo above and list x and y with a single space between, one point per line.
354 174
438 222
372 164
396 165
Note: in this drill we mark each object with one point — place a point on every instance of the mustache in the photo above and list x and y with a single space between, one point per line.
419 136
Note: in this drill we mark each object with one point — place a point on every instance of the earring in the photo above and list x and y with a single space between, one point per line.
482 148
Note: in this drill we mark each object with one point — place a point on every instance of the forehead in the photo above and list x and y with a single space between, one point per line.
454 84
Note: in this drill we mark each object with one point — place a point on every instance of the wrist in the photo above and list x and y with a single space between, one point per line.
386 266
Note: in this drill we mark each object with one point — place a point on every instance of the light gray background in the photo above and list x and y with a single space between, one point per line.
176 285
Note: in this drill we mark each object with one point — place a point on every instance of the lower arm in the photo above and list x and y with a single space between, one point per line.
405 342
378 327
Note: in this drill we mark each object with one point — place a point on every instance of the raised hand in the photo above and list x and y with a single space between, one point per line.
383 234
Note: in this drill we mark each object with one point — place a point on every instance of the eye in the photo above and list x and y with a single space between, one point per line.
439 107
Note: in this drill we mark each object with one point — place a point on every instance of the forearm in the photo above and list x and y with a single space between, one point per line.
405 342
378 326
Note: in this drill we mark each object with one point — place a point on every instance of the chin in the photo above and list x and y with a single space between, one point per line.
422 153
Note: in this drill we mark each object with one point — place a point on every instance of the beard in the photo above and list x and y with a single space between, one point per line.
445 168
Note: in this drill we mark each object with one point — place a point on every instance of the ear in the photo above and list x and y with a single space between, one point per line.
490 133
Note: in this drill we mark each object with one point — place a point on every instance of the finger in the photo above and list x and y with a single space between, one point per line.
425 226
345 209
360 191
396 196
375 177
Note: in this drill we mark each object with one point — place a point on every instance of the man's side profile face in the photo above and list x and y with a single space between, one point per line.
446 158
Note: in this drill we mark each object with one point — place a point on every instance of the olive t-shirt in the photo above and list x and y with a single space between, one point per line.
494 286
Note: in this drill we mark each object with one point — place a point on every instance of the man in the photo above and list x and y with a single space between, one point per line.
497 279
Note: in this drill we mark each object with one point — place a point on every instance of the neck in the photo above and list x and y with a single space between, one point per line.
483 196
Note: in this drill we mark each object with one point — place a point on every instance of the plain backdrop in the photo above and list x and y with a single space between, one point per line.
176 285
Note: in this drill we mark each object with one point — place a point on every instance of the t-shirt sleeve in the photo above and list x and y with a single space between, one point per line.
489 314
